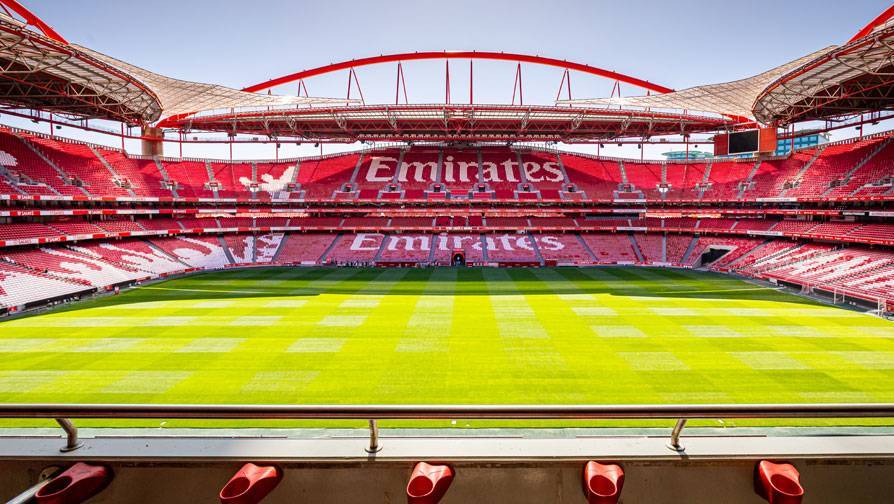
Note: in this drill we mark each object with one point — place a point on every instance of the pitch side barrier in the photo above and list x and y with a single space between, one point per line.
64 413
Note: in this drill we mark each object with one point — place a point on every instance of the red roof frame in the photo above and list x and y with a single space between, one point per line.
438 55
875 23
33 20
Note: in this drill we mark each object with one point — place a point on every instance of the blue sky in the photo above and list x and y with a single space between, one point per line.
677 44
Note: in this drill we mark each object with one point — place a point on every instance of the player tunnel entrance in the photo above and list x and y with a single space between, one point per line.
458 258
713 254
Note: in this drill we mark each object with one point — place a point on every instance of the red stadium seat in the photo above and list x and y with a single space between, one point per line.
603 483
428 483
778 483
251 484
76 484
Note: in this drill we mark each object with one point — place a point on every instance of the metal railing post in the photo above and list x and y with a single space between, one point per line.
71 433
675 436
27 497
373 437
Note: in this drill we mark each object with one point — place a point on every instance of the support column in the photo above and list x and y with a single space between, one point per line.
154 145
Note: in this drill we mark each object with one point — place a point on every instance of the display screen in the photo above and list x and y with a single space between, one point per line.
744 141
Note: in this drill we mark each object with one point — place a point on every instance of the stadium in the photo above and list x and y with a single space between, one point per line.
259 294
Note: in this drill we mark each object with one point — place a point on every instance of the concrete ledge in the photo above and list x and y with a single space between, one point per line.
350 447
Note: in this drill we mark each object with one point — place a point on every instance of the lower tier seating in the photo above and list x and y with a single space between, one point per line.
31 274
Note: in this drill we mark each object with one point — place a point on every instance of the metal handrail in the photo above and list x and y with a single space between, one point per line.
434 412
372 413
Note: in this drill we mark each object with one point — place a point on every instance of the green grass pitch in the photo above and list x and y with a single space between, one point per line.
462 336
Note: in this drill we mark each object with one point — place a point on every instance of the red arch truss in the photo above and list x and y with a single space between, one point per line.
32 19
480 55
878 21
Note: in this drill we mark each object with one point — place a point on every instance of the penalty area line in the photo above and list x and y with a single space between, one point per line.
207 290
722 290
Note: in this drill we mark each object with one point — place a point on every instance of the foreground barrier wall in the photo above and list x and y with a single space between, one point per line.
523 482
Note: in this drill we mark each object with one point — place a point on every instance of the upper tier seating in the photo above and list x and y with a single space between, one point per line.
29 169
878 167
191 178
645 177
599 179
683 179
141 176
834 163
79 162
274 179
500 171
233 179
378 170
76 169
773 176
725 180
321 178
542 172
419 170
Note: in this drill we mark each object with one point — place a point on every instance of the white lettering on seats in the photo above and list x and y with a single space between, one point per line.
524 242
554 169
552 243
378 165
382 169
361 240
532 168
506 242
419 169
509 169
409 243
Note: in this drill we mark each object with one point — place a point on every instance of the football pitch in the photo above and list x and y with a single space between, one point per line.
610 335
